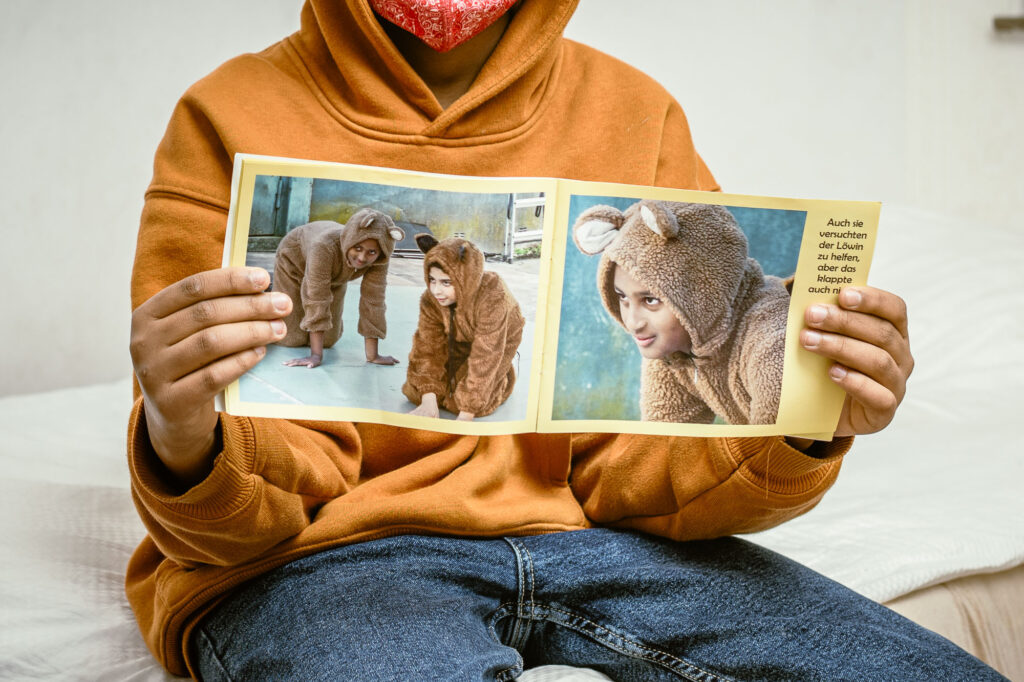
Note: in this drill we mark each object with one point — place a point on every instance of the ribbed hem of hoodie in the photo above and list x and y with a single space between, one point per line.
227 488
781 468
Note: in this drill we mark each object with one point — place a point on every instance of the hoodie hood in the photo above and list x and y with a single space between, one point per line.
692 256
366 223
372 86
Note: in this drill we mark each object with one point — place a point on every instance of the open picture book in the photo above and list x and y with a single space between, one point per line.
481 305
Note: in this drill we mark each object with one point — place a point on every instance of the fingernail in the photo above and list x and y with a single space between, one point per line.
260 352
852 298
280 301
258 278
837 373
811 339
278 327
817 313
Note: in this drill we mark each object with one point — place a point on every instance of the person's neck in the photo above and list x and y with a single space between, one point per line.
449 75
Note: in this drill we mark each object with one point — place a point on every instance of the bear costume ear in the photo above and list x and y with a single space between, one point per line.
397 233
367 219
596 228
425 241
659 220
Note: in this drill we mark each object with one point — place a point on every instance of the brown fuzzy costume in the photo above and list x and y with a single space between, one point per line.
311 268
463 353
694 258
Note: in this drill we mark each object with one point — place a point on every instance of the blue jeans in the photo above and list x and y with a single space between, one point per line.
629 605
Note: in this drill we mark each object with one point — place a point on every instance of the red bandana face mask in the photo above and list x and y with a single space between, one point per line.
442 24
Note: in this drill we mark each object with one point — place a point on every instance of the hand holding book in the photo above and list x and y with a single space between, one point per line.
866 336
190 341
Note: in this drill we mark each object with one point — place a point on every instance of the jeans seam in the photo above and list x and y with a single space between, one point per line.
504 610
533 581
214 654
670 662
521 627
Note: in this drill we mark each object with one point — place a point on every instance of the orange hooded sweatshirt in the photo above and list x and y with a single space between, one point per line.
338 90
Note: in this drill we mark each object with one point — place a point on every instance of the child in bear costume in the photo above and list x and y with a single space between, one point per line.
468 333
727 351
314 264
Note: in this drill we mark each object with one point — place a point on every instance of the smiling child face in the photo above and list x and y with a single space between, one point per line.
655 328
363 254
441 287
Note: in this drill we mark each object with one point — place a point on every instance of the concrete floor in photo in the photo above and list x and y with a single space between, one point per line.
345 379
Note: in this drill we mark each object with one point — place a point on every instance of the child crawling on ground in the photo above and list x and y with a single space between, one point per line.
314 264
709 324
468 333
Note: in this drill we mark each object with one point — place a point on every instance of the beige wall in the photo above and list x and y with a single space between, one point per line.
909 101
87 89
965 109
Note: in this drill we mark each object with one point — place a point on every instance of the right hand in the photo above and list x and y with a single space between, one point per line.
309 362
428 407
188 342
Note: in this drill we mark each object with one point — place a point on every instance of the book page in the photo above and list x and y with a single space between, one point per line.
507 222
741 371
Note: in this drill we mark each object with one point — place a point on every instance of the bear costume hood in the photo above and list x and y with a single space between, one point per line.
367 223
460 259
692 256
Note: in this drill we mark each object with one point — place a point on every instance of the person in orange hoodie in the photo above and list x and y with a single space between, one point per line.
281 549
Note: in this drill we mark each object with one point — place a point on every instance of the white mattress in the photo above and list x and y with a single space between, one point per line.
938 495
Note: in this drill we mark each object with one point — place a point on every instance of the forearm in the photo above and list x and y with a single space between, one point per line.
486 369
801 444
691 488
372 303
239 509
316 344
187 462
428 357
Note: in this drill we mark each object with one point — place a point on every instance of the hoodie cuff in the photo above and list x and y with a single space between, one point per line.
773 464
828 449
227 488
317 316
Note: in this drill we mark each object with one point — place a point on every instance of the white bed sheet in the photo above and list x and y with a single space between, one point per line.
938 495
68 528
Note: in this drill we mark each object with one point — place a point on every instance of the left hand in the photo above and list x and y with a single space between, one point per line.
370 346
310 361
383 360
866 336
